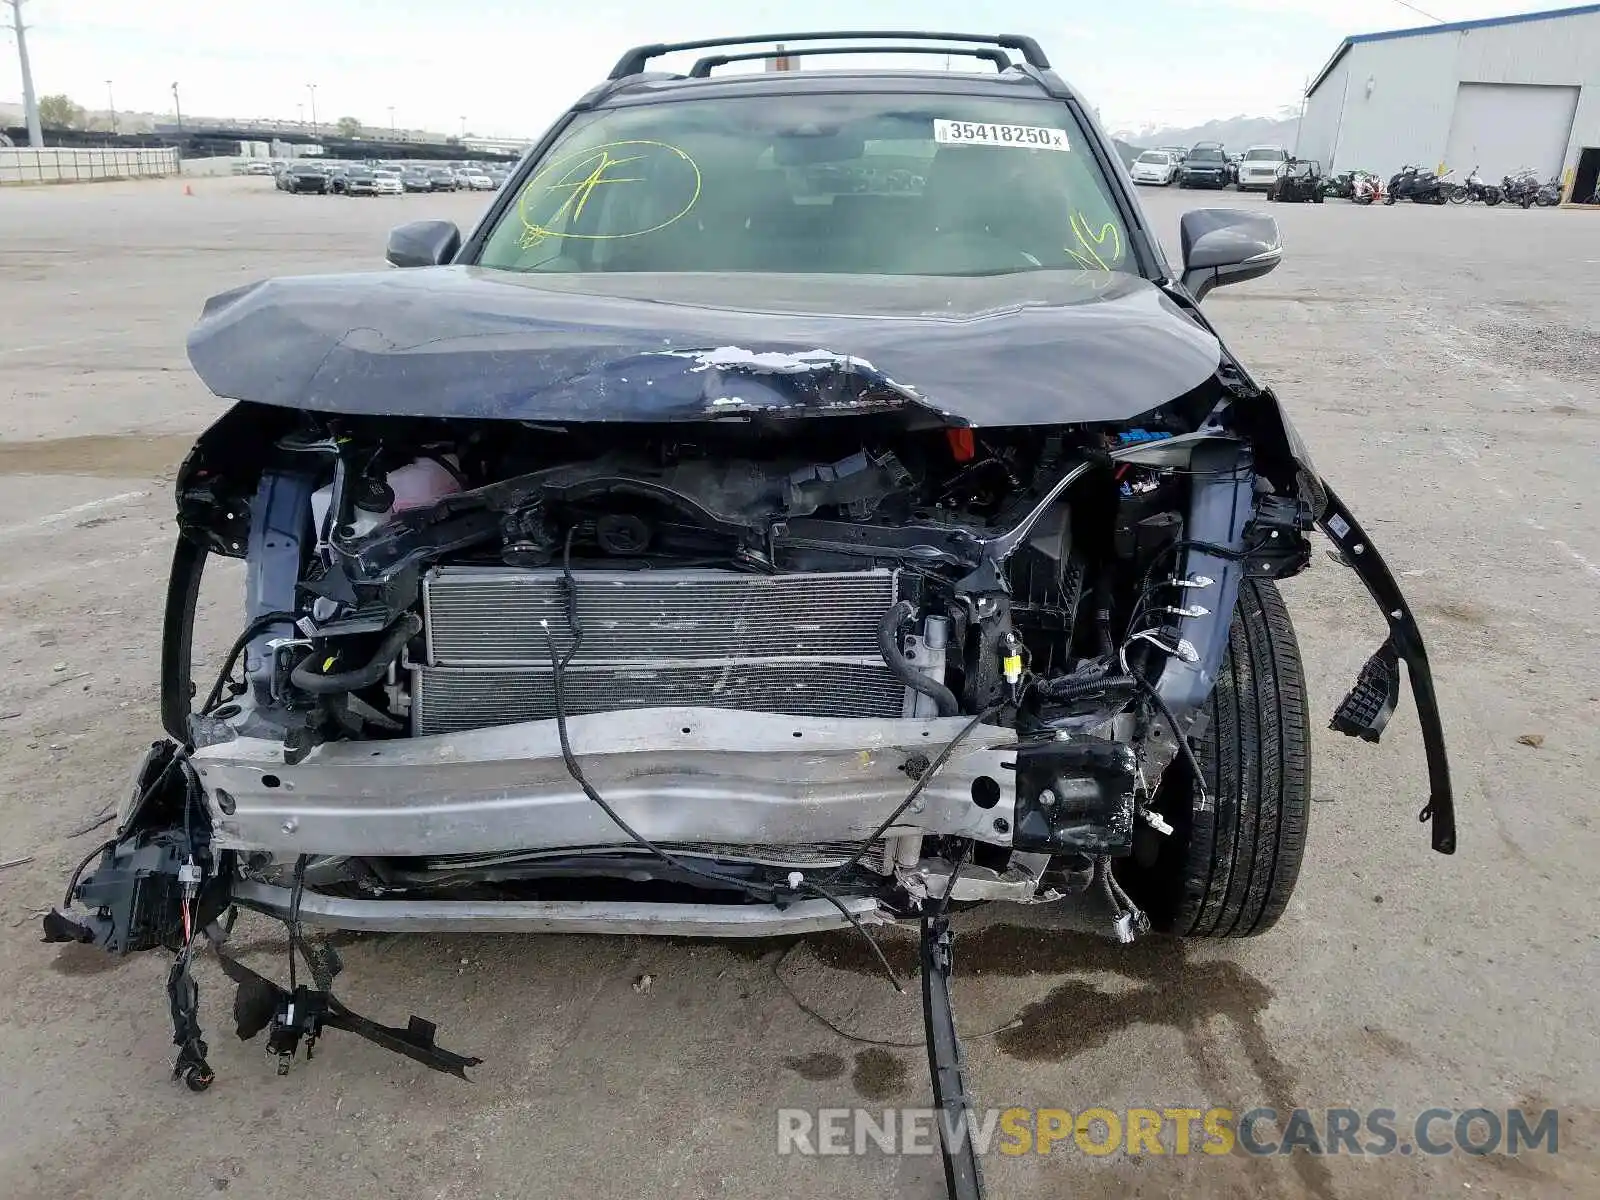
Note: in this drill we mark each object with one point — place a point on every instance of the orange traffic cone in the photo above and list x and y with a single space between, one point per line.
187 190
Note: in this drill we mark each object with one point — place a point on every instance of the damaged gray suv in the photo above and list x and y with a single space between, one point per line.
807 499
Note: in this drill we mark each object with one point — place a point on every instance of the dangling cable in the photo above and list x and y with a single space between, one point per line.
955 873
916 789
760 891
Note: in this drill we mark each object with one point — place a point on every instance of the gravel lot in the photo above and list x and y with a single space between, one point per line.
1443 366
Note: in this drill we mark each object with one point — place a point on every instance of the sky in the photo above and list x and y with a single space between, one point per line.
506 68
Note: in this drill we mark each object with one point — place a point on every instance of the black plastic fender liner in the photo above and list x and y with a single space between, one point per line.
177 638
1405 641
963 1172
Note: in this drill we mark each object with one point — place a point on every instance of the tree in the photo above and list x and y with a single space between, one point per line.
59 112
349 127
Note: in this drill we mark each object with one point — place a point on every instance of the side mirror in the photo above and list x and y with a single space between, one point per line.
1225 245
423 243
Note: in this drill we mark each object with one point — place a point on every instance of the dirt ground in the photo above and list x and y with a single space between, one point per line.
1442 365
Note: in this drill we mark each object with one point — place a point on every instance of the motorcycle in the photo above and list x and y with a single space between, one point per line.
1527 189
1476 189
1419 186
1365 188
1340 186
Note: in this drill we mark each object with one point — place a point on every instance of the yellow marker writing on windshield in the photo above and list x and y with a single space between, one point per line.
562 190
1092 243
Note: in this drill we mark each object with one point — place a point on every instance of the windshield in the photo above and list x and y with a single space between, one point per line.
1153 158
1212 156
1260 155
889 185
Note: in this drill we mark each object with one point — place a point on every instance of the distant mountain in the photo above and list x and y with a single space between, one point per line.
1233 132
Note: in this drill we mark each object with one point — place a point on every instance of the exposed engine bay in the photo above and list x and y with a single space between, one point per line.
411 580
735 677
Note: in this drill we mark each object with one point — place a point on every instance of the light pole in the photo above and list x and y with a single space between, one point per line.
30 105
177 108
391 121
463 127
300 113
313 88
111 106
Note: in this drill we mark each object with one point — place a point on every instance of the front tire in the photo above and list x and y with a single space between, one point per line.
1229 872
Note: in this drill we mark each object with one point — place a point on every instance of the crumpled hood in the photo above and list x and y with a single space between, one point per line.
1028 348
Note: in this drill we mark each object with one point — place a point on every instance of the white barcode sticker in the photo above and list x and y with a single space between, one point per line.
978 133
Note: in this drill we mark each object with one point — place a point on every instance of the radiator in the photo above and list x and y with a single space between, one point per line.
801 644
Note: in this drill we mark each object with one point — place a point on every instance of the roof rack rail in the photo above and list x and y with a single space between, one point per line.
703 67
633 62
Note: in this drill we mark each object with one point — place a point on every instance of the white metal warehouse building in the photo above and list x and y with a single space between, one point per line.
1499 94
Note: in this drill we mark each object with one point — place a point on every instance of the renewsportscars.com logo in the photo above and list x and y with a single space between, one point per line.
1257 1132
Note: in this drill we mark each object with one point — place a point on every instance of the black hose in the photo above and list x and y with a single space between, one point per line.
895 659
1177 732
254 628
1060 691
308 680
1102 615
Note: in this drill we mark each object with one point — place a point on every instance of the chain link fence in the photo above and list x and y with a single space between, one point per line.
66 165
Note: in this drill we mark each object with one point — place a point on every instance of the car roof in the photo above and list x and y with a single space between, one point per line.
631 84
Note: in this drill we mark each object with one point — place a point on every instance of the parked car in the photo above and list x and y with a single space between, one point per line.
258 167
387 183
1259 167
1154 166
304 177
355 181
478 181
1299 181
415 179
1205 167
969 601
444 179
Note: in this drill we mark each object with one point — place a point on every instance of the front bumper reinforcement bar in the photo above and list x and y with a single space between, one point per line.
556 916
